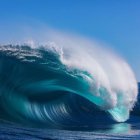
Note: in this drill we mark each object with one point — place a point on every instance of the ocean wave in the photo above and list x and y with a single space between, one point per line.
63 87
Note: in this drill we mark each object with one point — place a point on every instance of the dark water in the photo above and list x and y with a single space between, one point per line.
41 98
126 131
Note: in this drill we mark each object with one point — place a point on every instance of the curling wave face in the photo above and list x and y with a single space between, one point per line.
64 87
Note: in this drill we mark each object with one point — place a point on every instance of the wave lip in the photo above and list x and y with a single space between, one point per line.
45 85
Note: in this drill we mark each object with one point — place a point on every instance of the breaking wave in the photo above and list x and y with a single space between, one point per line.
65 85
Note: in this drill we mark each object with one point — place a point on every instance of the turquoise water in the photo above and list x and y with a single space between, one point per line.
46 95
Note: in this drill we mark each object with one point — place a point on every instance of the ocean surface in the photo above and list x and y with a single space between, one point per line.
51 92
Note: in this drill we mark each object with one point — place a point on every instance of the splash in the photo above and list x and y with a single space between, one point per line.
63 79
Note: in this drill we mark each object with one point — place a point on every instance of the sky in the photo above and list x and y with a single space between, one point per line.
115 22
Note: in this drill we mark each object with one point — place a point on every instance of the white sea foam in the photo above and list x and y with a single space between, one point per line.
107 69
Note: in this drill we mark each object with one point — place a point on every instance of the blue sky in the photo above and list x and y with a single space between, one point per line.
115 22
